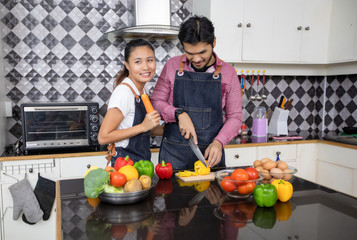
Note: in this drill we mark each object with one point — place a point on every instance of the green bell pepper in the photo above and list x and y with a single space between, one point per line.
145 167
265 195
264 217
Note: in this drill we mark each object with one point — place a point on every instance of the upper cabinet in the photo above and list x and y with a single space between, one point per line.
343 31
283 31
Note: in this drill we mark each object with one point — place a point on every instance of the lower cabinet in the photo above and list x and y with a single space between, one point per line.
76 167
236 157
14 171
287 153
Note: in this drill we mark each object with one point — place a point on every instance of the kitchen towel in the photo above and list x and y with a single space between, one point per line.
45 192
24 199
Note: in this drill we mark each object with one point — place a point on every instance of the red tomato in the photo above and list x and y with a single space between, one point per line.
240 174
228 185
117 179
252 172
246 188
228 209
119 231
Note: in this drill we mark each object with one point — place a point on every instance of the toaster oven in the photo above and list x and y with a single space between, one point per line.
59 125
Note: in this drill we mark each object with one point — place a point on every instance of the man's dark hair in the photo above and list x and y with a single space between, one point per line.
196 29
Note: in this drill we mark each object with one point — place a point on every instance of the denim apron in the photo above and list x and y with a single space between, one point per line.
200 95
139 146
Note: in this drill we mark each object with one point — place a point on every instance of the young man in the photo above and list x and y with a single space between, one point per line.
198 96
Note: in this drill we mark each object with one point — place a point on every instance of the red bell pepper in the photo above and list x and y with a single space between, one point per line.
121 162
164 187
164 170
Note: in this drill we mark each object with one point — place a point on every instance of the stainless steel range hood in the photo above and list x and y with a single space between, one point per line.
153 20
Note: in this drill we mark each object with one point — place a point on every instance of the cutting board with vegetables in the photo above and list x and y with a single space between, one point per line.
209 177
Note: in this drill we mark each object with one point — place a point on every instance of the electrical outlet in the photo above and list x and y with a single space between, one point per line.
8 109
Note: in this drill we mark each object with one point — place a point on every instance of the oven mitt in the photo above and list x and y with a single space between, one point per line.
25 200
45 192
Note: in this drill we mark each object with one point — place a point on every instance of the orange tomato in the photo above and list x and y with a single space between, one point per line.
240 174
246 188
109 169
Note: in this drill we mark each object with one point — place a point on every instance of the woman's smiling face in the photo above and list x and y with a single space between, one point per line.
141 65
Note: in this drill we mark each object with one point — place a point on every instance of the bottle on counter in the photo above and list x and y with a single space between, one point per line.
243 130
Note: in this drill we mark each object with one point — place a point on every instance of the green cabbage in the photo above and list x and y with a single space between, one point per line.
95 181
111 189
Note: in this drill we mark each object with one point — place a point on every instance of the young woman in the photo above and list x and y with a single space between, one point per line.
126 123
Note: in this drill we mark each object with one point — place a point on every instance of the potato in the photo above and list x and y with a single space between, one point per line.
265 160
282 165
276 173
269 165
257 163
259 169
145 181
133 185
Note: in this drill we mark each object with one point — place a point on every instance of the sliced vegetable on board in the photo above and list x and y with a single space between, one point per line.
201 169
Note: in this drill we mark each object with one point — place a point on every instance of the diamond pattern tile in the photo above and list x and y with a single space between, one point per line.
51 53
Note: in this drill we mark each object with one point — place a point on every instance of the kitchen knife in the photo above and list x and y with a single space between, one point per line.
288 104
197 151
197 198
281 101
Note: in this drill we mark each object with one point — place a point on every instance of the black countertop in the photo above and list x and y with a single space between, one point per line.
314 212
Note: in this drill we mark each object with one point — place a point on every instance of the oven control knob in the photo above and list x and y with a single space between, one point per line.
94 128
94 136
94 110
94 118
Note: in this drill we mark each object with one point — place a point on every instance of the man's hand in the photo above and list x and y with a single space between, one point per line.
214 153
186 127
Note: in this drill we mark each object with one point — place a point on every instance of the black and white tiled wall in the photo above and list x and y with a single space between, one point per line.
51 53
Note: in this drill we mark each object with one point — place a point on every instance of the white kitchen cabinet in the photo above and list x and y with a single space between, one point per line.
48 168
343 30
76 167
236 157
279 31
227 18
287 153
306 161
336 168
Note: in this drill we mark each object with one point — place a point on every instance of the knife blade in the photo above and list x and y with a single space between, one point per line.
197 198
197 151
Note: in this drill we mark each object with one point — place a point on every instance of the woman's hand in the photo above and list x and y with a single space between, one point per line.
151 121
214 153
186 127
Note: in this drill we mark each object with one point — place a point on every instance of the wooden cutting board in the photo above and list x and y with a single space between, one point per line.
209 177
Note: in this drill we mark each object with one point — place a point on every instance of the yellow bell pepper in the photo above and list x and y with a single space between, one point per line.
283 210
203 185
284 189
186 173
200 169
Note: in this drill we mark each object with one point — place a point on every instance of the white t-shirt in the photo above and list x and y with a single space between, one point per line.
123 99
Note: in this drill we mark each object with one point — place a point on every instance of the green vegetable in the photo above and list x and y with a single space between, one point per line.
145 167
264 217
94 182
111 189
265 195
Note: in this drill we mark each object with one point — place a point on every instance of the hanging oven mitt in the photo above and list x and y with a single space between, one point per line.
45 192
25 200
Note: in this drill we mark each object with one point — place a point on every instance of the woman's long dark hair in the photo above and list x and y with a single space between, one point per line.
130 46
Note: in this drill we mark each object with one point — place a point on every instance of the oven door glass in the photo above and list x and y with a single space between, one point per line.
56 125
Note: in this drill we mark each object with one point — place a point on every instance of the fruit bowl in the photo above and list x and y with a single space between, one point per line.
236 188
268 177
124 198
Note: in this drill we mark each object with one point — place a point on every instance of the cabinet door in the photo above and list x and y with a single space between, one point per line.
306 161
342 39
316 31
287 153
227 18
236 157
76 167
258 30
18 229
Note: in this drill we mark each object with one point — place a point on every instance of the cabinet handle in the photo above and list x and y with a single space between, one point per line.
88 166
236 156
307 28
239 25
31 170
248 25
299 28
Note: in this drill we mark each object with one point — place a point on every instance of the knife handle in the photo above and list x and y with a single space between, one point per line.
288 104
282 105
